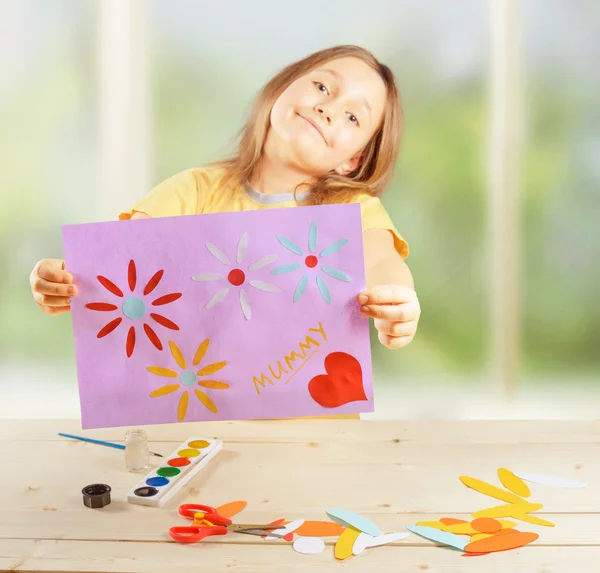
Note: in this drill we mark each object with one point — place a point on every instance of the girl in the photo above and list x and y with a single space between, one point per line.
325 129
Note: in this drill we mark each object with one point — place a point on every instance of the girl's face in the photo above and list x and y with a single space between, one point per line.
324 119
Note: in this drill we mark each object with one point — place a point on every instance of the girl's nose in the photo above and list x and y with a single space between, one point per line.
326 113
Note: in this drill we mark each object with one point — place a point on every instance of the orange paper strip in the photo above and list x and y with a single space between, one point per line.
232 508
320 529
502 542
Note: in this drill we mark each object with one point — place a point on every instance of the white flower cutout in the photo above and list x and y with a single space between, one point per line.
236 277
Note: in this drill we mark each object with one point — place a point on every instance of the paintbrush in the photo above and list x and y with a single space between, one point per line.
101 443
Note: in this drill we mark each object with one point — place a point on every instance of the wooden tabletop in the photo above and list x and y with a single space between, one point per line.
396 473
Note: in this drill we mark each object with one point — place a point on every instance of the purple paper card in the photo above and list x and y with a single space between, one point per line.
228 316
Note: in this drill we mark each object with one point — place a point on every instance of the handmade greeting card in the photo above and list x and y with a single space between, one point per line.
229 316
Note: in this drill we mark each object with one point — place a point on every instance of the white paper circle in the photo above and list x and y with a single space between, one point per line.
309 545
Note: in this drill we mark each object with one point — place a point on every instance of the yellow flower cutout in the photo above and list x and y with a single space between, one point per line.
189 378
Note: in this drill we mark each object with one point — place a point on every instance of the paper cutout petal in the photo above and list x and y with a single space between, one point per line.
461 529
342 383
101 306
365 540
495 543
206 277
511 482
289 244
334 247
153 282
167 299
242 248
281 270
217 298
320 529
486 525
551 481
110 286
201 351
309 545
130 345
354 520
217 253
152 337
450 520
245 304
164 390
300 288
183 406
232 508
289 528
261 285
438 536
177 355
160 371
132 275
109 327
312 237
211 368
434 524
164 321
336 274
213 384
323 290
262 262
206 401
345 543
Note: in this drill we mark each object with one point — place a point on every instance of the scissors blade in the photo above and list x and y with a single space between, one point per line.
261 527
261 532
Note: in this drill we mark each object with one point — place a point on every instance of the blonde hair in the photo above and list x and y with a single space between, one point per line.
379 155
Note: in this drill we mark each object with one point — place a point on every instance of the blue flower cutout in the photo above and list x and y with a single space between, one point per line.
310 262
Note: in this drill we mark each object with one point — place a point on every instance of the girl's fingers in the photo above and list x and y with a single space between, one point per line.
53 289
387 294
392 312
50 300
394 342
395 329
54 310
53 270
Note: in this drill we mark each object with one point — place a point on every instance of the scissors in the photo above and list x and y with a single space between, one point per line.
207 522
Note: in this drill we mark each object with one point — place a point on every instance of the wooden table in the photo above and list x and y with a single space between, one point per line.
396 473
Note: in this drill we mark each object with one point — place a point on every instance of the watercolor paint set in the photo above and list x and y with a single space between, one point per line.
164 481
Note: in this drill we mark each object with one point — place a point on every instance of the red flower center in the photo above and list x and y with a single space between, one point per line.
311 261
236 277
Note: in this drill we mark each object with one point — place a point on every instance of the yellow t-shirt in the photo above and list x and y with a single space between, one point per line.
196 191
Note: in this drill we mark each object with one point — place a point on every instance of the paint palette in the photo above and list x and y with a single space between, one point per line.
179 468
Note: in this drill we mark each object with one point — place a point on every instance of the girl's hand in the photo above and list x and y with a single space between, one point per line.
52 286
395 310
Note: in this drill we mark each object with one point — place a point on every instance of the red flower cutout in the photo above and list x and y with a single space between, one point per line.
134 308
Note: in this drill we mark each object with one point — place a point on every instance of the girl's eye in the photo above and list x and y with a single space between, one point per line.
321 88
353 118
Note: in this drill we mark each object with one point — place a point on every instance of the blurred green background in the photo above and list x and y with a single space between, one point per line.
203 63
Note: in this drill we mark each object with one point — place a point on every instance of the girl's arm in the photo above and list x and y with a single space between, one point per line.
390 298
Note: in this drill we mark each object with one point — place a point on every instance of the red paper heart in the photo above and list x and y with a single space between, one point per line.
342 384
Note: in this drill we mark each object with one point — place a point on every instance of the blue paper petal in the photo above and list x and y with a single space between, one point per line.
334 247
323 290
300 288
346 517
289 244
282 269
312 236
336 274
443 537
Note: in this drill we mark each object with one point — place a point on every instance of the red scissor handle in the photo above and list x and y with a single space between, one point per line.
191 534
189 510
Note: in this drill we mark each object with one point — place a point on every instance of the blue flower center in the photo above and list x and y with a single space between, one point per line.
188 378
134 308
